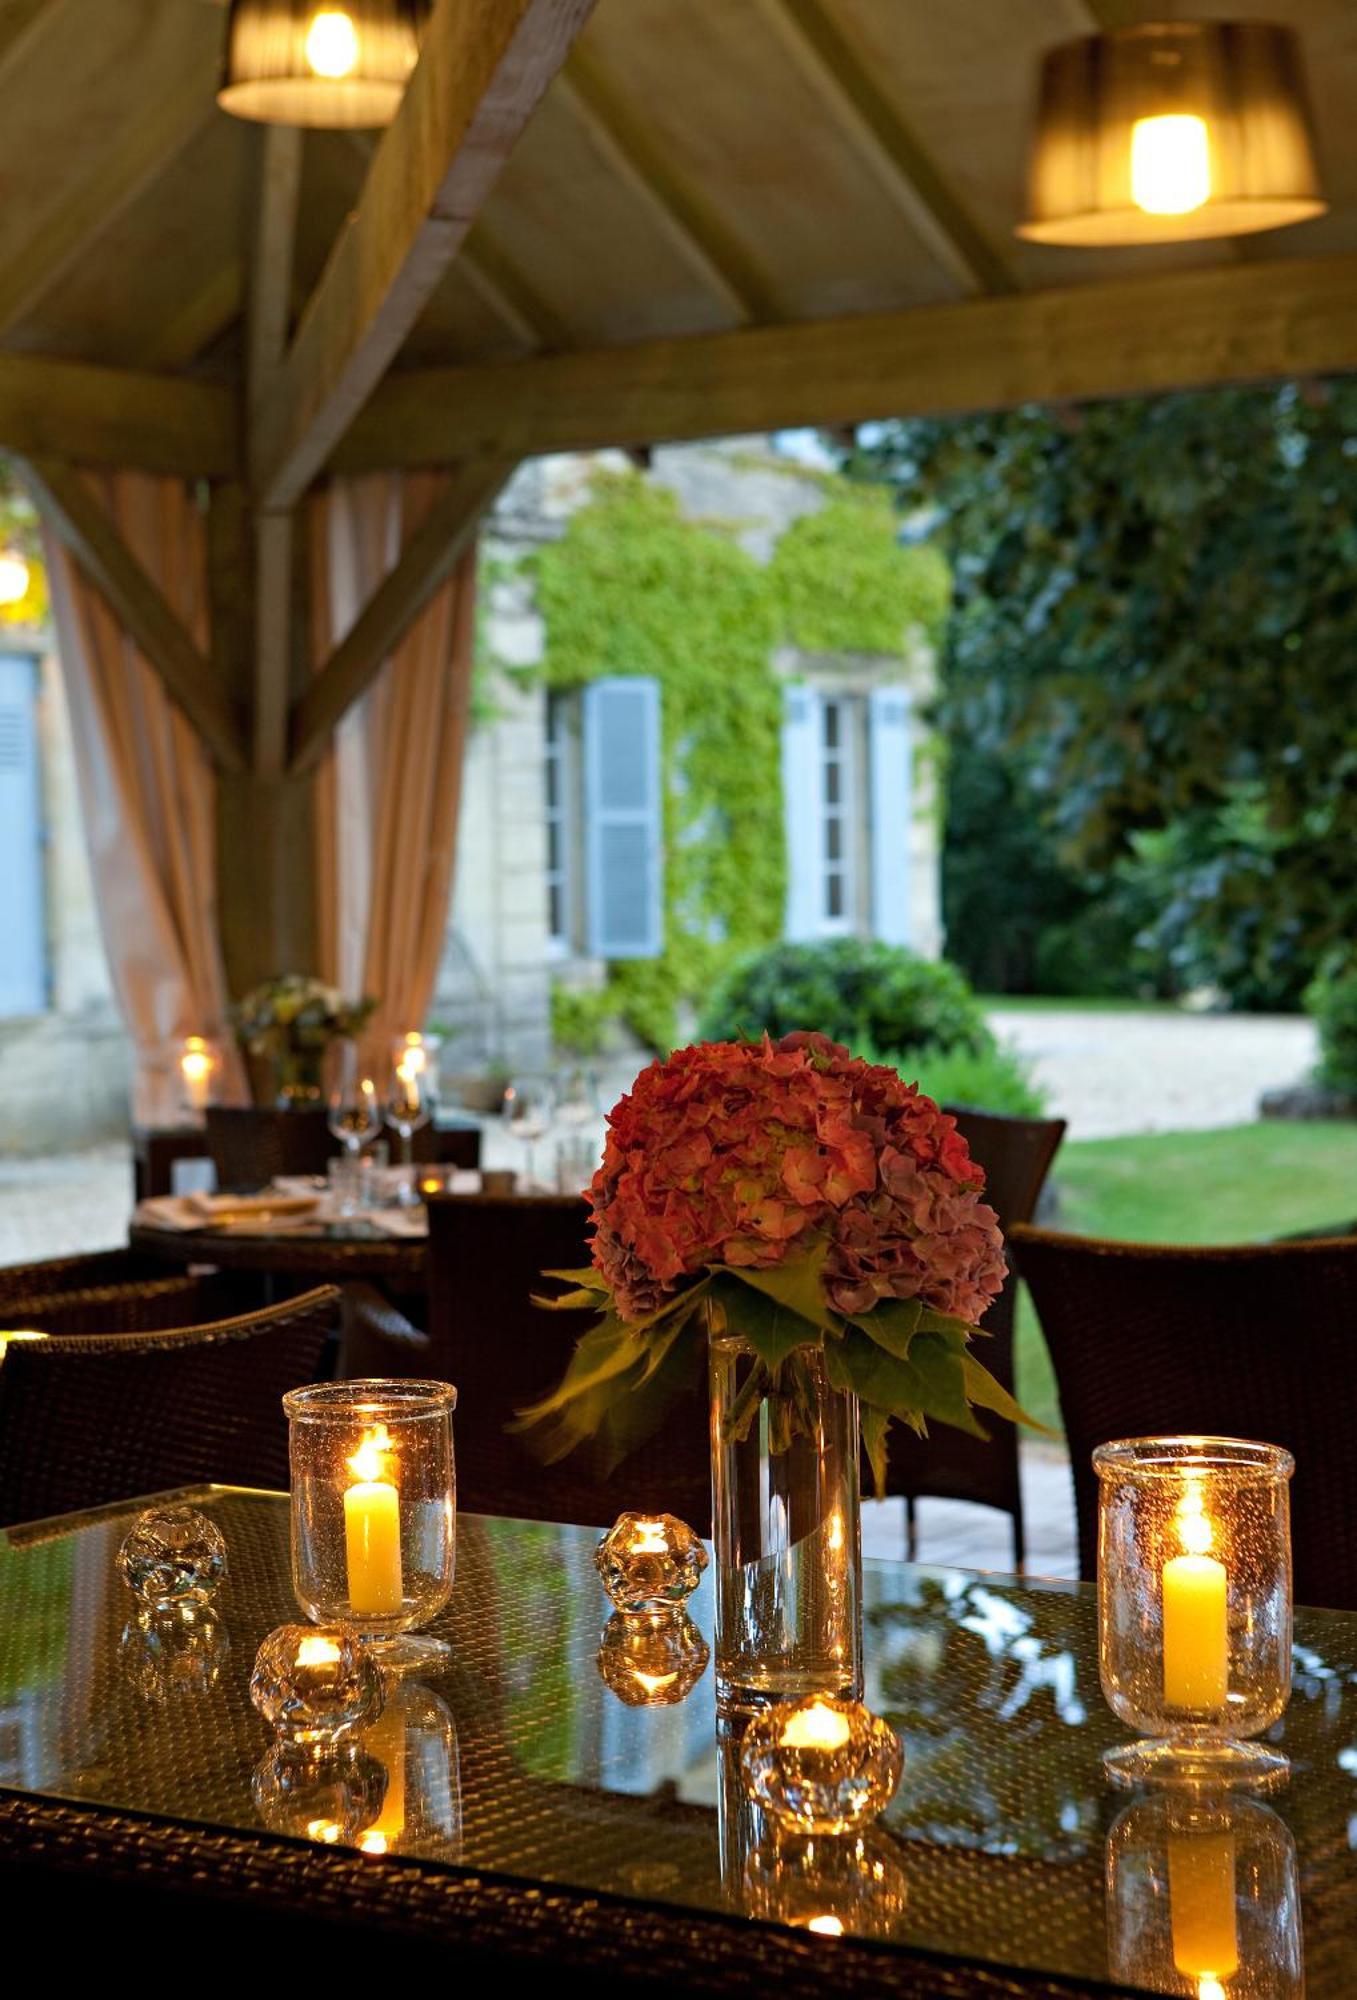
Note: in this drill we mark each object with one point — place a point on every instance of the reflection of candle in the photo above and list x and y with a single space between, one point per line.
1196 1619
1202 1909
817 1727
649 1539
195 1066
827 1926
372 1529
317 1651
386 1741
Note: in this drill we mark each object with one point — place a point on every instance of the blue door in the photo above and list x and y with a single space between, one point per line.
23 982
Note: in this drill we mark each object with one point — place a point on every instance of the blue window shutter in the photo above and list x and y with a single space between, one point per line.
803 809
890 752
23 958
622 822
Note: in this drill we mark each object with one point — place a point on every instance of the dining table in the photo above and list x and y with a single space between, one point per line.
536 1805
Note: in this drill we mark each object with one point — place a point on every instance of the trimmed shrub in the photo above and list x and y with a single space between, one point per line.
1331 1001
856 991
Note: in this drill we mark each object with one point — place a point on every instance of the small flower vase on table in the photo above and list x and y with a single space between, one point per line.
817 1222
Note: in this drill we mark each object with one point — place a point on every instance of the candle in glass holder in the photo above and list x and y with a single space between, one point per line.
1202 1909
1196 1615
195 1067
815 1726
372 1528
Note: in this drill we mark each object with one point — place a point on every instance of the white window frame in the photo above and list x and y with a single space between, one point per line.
561 815
846 812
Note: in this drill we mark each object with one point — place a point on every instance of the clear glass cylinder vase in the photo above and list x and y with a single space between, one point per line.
786 1526
1194 1605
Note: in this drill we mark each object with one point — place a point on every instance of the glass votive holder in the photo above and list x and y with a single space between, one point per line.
650 1562
326 1794
820 1765
374 1510
173 1650
1194 1606
172 1554
200 1064
414 1743
652 1659
852 1885
312 1685
1203 1899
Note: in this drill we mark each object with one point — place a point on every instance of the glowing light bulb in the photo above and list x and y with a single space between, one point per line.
1170 164
14 578
332 44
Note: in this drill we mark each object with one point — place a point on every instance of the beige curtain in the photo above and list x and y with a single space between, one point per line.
147 789
389 788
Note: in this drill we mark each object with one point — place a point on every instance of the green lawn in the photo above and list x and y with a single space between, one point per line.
1233 1186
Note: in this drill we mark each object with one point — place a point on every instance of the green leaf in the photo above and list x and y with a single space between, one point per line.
772 1330
589 1278
927 1384
576 1301
607 1350
989 1394
798 1285
941 1369
892 1324
875 1425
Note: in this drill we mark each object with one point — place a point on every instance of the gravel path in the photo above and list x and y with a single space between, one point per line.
1147 1070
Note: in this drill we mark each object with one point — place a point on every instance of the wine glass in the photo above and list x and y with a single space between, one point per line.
354 1115
525 1110
577 1098
407 1108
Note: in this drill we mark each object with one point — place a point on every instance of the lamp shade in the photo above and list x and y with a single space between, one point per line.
310 62
1167 132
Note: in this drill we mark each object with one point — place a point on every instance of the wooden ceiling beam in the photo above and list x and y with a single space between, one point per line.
427 561
60 237
1186 329
74 511
117 416
503 288
900 163
482 70
692 225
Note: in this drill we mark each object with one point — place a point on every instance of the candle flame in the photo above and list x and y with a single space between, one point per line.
369 1462
650 1539
317 1651
1192 1522
327 1830
374 1842
833 1927
652 1683
1210 1988
817 1727
415 1057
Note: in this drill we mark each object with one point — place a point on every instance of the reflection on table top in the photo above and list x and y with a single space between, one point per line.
1004 1843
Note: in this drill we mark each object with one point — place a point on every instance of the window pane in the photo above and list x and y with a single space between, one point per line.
833 782
831 714
834 840
834 901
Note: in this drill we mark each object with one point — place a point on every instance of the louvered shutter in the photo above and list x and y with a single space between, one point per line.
890 751
622 820
23 953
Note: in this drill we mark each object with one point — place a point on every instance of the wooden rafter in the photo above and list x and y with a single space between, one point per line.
146 148
509 295
482 69
692 224
74 511
900 163
1189 328
427 561
117 416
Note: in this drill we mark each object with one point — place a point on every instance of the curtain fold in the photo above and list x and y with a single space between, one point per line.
389 788
147 788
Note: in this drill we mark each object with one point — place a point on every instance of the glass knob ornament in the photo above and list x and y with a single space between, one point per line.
327 1795
312 1684
821 1765
652 1659
172 1554
650 1562
175 1650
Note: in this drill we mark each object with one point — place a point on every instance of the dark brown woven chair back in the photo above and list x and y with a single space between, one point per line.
174 1299
1016 1154
1254 1342
252 1144
88 1419
85 1272
486 1256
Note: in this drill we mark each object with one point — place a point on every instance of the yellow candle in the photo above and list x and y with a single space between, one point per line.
1196 1614
1202 1909
372 1529
818 1727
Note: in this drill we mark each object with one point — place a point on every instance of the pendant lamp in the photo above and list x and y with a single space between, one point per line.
308 62
1171 131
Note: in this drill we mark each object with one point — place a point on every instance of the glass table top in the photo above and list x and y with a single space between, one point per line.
1004 1843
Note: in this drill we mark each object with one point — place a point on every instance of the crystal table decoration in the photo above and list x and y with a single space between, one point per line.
414 1743
173 1650
312 1685
821 1765
650 1562
1194 1606
326 1795
374 1511
652 1659
172 1553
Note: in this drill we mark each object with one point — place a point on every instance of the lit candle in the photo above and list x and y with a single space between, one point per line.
1202 1909
316 1650
372 1529
386 1741
195 1066
414 1056
649 1539
1196 1616
816 1727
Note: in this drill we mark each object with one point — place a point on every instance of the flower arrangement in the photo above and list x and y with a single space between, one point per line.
804 1198
291 1021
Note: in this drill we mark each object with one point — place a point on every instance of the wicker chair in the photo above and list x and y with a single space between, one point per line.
1016 1154
253 1144
174 1299
1254 1342
486 1255
81 1273
88 1419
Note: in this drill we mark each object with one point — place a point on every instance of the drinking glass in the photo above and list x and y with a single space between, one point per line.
407 1108
355 1116
578 1103
525 1110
